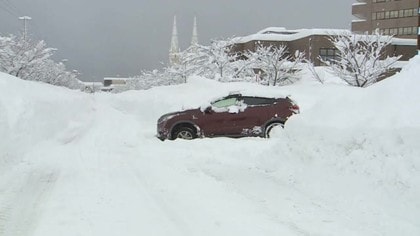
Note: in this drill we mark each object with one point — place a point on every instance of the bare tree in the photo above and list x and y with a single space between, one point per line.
361 59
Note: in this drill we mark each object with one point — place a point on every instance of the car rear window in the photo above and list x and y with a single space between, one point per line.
255 101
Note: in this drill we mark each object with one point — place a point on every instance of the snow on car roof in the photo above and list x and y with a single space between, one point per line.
272 94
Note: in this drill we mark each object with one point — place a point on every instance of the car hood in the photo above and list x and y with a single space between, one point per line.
170 115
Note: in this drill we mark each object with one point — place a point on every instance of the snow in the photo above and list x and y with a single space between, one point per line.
359 3
359 20
402 41
89 164
283 34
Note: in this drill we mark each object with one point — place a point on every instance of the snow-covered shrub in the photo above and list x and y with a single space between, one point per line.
361 59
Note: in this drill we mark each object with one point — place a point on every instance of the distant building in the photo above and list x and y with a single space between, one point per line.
314 43
113 83
390 17
174 49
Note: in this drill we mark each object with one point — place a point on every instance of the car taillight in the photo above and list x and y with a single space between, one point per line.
294 108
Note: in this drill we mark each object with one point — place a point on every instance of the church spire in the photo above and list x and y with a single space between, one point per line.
194 39
174 50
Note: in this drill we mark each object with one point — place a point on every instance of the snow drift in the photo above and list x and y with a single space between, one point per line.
74 163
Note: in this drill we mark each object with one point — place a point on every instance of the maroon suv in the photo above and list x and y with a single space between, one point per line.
232 116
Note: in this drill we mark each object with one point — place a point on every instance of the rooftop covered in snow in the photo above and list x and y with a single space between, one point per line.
283 34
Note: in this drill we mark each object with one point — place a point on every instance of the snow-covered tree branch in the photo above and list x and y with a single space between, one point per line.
31 60
218 57
276 64
191 62
361 59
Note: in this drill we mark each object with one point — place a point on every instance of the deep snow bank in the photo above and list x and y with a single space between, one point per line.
33 112
347 165
363 143
354 149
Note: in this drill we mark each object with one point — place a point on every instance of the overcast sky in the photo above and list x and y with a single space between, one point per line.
104 38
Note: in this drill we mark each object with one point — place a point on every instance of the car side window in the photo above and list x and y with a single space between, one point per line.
224 103
257 101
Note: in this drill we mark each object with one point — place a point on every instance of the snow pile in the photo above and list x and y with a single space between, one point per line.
74 163
364 144
33 112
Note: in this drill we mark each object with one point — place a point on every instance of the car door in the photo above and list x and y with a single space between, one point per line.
250 120
217 119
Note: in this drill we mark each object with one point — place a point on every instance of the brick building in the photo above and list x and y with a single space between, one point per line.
390 17
313 42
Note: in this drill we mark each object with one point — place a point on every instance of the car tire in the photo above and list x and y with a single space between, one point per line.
185 133
269 127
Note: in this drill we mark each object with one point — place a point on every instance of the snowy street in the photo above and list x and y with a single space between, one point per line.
89 164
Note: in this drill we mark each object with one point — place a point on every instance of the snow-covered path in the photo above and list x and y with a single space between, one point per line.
78 164
82 182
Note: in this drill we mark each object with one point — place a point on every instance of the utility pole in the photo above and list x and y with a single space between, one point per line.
25 26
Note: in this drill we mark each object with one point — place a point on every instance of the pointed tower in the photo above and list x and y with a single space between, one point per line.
174 50
194 39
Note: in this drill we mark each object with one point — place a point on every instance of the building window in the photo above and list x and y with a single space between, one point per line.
379 1
393 14
381 15
328 54
408 13
393 31
401 13
400 31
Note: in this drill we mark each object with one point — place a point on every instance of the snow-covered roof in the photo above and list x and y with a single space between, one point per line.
117 78
359 3
358 20
283 34
406 42
272 29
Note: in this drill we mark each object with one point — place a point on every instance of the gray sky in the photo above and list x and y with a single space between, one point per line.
103 38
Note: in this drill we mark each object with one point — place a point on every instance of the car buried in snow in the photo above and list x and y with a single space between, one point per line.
235 115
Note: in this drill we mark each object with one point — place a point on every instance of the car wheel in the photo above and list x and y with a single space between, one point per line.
270 127
185 133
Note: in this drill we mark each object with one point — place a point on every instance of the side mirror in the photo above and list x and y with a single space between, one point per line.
208 110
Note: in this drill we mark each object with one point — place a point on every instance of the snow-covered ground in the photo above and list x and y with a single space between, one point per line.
82 164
